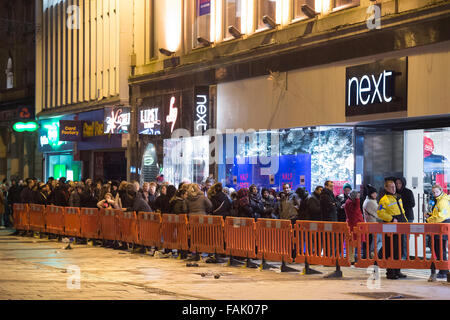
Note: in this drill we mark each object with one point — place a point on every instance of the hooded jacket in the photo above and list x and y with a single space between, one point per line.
441 210
391 207
407 199
353 213
221 204
198 204
289 205
313 208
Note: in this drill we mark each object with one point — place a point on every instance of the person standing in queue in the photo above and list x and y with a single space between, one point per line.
440 214
391 210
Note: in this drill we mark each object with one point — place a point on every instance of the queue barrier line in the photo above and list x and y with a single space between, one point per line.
391 235
72 223
175 231
109 224
21 216
89 223
240 237
206 233
128 227
149 229
55 220
274 239
37 217
322 243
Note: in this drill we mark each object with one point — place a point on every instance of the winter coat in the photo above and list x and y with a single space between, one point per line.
178 206
391 207
27 195
289 205
441 210
162 203
87 200
74 200
126 200
303 210
270 207
139 204
41 198
370 207
341 215
221 204
408 200
61 197
14 195
313 208
353 214
328 205
198 204
256 204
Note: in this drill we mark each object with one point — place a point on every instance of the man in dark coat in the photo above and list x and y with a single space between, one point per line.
255 202
328 203
270 205
27 194
221 203
313 212
342 198
42 193
304 196
407 198
139 204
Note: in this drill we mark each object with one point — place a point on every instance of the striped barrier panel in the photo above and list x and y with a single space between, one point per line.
109 224
37 217
55 220
90 223
149 229
207 233
240 237
175 231
128 227
274 240
72 222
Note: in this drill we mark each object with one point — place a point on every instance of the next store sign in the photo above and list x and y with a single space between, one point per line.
377 87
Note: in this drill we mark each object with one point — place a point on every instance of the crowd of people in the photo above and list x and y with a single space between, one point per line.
392 203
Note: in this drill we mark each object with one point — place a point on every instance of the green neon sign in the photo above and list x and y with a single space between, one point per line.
28 126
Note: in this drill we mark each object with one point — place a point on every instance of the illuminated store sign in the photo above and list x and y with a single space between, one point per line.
149 121
117 120
28 126
49 139
201 115
377 87
70 130
173 114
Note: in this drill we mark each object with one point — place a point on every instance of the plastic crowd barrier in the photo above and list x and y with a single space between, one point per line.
149 230
128 227
274 240
174 231
206 233
55 220
109 224
322 243
37 217
72 222
391 237
21 217
90 223
240 237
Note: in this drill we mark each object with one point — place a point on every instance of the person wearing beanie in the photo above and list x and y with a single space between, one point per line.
342 198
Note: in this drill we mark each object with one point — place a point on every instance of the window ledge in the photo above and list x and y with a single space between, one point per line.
346 6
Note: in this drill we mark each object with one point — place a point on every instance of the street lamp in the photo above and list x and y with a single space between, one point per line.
308 11
204 41
268 21
234 32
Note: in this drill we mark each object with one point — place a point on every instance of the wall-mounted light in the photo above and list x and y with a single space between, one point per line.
166 52
308 11
234 32
268 21
204 41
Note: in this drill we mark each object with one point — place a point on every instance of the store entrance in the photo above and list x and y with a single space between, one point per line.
114 166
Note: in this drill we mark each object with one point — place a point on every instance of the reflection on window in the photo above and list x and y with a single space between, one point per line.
338 4
266 8
9 74
298 13
232 15
202 20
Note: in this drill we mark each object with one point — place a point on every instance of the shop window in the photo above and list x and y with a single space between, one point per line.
297 8
436 164
63 166
265 8
232 16
202 21
342 4
9 74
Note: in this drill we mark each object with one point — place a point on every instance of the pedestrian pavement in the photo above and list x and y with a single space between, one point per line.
41 269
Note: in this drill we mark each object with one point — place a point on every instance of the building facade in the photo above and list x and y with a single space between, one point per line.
83 59
19 156
350 91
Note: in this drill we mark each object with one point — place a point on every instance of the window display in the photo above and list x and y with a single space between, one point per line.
63 166
436 155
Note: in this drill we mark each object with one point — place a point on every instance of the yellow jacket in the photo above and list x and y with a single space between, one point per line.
388 208
441 210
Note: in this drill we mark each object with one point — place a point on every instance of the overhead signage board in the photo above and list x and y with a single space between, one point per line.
201 110
117 120
378 87
149 121
70 130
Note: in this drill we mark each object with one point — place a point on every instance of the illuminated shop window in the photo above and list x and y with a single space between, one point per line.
342 4
297 8
202 26
232 16
265 8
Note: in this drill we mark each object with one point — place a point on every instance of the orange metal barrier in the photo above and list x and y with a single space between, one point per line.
240 237
174 231
322 243
72 223
109 224
21 216
55 220
37 217
206 233
90 223
128 227
149 229
274 240
413 260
